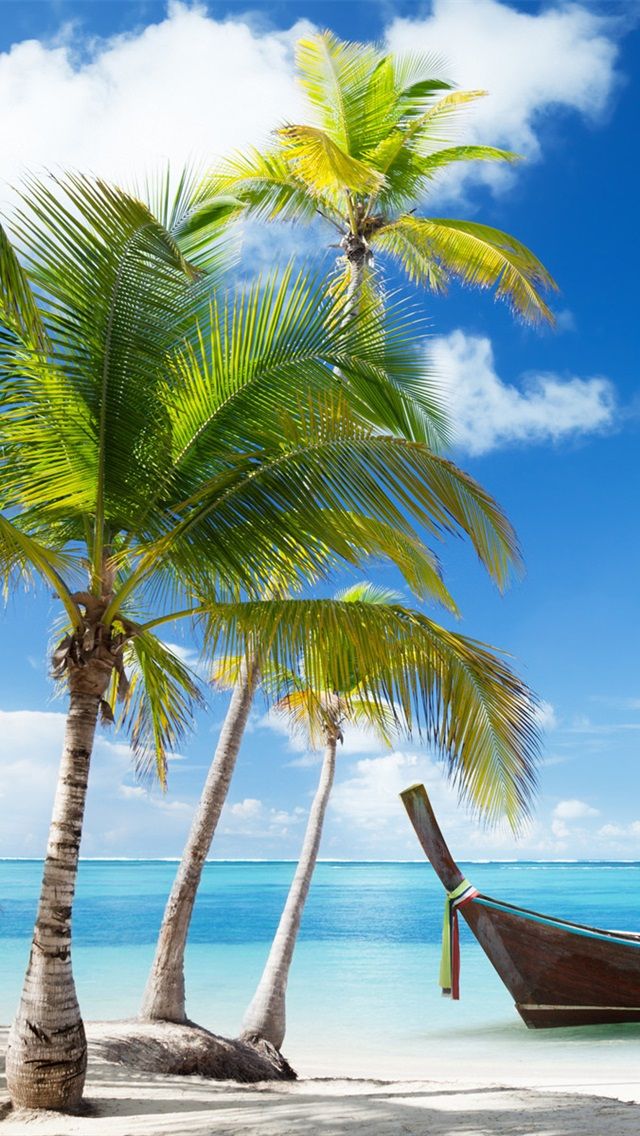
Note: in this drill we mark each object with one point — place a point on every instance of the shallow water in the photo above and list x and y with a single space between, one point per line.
363 995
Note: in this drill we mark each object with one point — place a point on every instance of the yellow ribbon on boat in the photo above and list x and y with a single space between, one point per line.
454 898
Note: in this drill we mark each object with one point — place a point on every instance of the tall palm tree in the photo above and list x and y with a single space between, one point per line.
390 669
377 142
153 448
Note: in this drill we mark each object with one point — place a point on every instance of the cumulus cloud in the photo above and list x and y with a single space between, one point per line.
490 413
253 818
367 797
190 87
187 88
567 812
616 831
531 62
574 810
250 807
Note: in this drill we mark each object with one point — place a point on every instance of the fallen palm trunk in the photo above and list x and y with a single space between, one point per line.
185 1049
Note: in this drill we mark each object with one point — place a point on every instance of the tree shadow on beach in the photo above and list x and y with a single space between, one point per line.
154 1107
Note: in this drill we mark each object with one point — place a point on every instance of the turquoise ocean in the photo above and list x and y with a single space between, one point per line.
363 994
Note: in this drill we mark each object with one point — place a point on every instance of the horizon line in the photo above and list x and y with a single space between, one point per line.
321 860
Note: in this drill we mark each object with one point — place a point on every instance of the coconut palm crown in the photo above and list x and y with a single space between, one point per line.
379 138
393 671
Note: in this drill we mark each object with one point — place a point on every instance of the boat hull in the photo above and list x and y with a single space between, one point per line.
559 973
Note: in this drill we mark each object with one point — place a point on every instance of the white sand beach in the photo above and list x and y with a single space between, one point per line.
121 1102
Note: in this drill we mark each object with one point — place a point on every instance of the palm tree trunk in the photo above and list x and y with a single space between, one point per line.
354 288
358 256
164 996
265 1019
47 1049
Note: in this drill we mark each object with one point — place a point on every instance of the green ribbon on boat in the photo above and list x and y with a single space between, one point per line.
446 975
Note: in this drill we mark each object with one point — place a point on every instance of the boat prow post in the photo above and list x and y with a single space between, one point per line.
416 801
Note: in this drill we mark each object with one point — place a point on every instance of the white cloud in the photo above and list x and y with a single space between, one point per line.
565 320
187 88
566 812
583 725
132 792
546 716
190 87
574 810
616 831
532 64
357 739
155 800
250 807
368 798
252 818
490 413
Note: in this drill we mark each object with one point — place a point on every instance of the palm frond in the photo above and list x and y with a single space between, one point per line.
335 75
416 562
440 159
329 468
320 163
21 556
264 184
418 77
367 592
117 291
19 311
196 216
159 704
475 254
270 352
455 693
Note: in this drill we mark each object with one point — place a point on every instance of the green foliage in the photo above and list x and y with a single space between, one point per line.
19 315
322 165
365 657
433 251
158 706
163 443
381 135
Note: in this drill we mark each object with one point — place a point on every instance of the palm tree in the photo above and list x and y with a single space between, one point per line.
377 144
390 668
164 997
153 449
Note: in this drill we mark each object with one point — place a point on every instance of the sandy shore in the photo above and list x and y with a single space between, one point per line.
125 1103
122 1105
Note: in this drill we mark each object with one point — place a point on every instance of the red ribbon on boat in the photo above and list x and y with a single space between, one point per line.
450 959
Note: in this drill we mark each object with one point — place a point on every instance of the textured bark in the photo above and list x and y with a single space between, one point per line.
185 1050
358 256
164 996
47 1051
265 1019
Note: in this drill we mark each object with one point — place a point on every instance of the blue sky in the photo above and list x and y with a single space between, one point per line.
547 421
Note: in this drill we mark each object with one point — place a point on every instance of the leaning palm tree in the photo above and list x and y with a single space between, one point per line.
377 143
391 669
153 449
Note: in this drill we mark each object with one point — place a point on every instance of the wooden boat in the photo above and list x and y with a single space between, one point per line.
559 973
